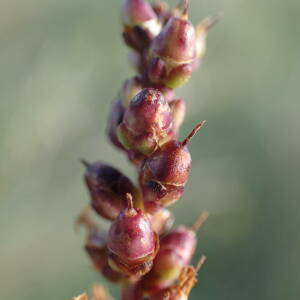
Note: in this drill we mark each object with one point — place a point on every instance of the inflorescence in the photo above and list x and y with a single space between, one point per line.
140 251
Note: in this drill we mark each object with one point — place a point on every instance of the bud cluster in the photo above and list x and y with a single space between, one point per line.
140 250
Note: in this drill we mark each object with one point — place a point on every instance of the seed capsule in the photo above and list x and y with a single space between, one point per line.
176 251
181 290
172 52
108 188
147 123
163 175
140 22
132 243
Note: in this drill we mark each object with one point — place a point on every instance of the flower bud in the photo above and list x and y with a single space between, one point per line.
172 52
140 22
181 290
163 176
108 188
176 251
147 123
132 243
130 88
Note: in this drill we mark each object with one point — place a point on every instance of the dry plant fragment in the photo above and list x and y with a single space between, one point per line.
81 297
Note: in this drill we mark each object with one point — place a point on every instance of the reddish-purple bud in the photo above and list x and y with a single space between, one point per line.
135 12
147 123
172 52
176 251
164 174
140 22
176 42
132 243
108 188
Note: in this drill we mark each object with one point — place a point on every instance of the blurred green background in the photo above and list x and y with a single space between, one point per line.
61 65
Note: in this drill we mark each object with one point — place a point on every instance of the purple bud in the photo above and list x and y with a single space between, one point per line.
147 123
164 174
108 188
182 288
140 24
172 52
176 41
132 243
176 251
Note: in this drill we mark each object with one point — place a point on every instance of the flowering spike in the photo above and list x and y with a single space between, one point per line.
139 250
